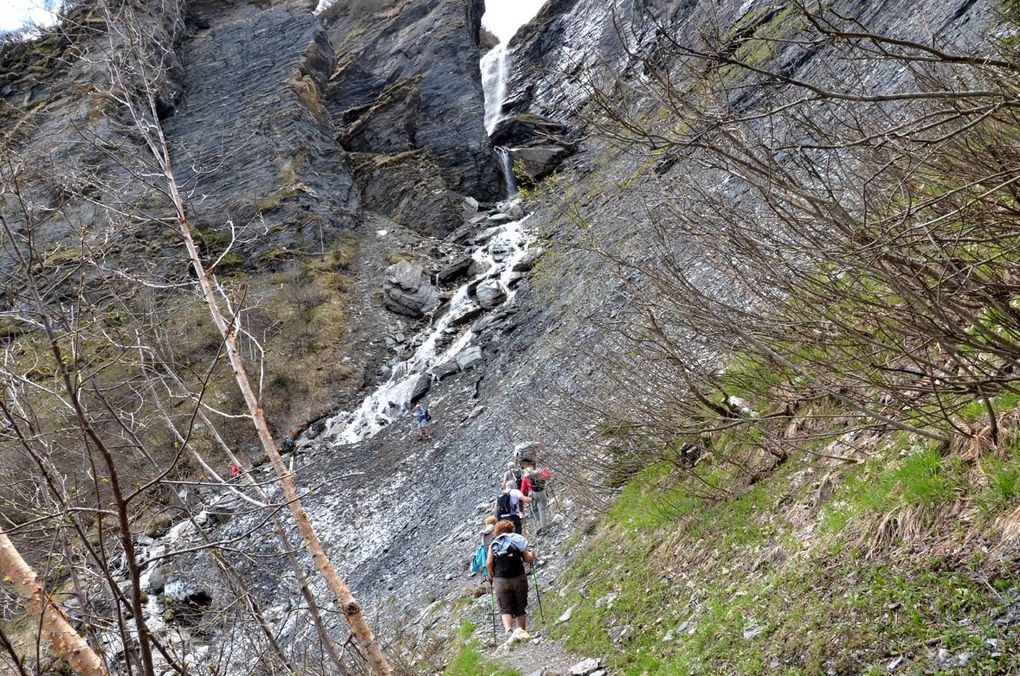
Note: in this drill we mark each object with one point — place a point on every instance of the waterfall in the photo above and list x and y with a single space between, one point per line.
438 343
506 163
493 68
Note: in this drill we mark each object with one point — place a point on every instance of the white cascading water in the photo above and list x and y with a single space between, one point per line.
506 165
392 400
493 67
447 335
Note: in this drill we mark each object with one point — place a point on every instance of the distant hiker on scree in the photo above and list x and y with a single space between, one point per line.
507 556
422 417
508 505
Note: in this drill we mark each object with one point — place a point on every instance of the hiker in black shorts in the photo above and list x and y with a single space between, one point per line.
507 556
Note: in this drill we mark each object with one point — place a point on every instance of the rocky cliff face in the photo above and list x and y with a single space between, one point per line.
407 98
249 130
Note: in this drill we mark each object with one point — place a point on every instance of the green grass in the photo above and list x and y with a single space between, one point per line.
469 661
751 584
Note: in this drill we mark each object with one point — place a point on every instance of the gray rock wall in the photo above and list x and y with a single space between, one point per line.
407 78
250 135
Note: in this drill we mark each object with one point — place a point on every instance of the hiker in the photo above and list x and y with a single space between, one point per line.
508 505
538 482
490 524
505 563
422 417
512 473
479 557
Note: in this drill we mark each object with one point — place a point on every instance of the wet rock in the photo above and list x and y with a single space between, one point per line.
408 292
514 211
316 428
470 208
490 293
487 234
501 251
539 161
526 129
155 582
469 357
446 369
421 387
466 314
185 604
499 218
479 268
455 270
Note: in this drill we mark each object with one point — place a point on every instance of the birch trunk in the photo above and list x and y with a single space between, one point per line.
63 639
349 606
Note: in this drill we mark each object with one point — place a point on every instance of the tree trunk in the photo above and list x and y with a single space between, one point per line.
349 606
63 639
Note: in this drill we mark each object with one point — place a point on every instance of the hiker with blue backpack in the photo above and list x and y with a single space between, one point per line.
508 578
422 416
478 560
509 505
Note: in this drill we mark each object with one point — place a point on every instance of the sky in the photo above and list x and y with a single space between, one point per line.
504 17
16 13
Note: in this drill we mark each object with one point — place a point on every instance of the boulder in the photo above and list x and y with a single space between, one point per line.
407 291
529 260
421 387
527 129
469 357
514 211
490 293
586 667
470 208
446 369
455 270
487 234
537 162
465 314
405 274
479 268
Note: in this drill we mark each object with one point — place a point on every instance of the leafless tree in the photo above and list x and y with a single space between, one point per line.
841 243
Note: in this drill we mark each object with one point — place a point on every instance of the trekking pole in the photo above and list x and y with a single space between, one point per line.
534 576
492 612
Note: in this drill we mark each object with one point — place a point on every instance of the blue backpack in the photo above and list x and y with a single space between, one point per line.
478 562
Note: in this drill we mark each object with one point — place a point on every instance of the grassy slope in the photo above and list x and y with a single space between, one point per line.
904 557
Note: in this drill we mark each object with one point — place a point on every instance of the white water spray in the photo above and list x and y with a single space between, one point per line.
493 66
438 343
